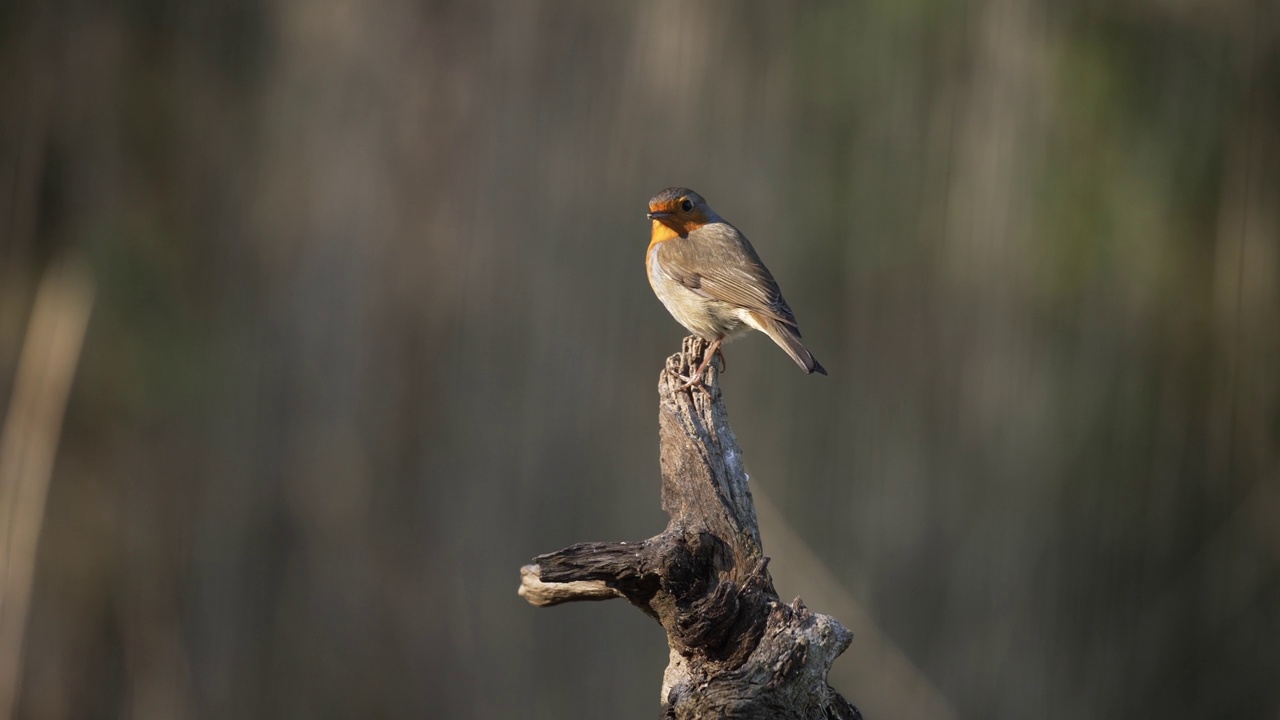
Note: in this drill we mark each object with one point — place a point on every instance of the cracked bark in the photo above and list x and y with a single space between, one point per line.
737 651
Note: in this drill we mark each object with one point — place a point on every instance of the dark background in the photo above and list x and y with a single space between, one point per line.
371 329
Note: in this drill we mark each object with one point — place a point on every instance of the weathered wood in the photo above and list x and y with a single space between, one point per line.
737 651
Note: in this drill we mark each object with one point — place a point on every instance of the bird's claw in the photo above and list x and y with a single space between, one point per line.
709 358
690 383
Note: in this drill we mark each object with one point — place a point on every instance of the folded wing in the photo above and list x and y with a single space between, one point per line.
723 266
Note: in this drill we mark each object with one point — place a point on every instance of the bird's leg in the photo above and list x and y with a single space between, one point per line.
724 364
713 352
707 357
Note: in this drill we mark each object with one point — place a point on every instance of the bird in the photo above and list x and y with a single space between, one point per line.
711 280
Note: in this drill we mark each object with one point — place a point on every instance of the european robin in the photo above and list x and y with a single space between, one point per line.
712 281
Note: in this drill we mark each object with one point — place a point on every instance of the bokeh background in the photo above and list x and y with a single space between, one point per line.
370 329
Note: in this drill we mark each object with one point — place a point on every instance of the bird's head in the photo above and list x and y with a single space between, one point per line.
679 211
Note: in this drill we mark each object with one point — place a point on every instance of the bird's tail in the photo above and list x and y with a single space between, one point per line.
788 338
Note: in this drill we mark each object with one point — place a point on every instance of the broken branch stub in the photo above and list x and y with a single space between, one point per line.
737 651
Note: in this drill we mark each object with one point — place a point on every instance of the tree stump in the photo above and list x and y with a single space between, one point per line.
737 651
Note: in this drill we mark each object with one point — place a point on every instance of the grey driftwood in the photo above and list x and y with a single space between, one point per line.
737 650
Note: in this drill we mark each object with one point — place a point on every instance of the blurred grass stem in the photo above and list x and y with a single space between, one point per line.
27 449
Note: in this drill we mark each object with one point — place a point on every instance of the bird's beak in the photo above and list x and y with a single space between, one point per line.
658 215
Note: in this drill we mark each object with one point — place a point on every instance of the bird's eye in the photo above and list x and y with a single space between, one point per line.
685 205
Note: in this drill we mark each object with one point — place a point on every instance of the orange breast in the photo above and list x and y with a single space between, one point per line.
670 228
659 234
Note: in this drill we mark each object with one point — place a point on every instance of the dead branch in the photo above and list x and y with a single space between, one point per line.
737 651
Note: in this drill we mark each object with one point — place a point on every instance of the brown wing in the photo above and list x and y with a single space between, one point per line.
717 262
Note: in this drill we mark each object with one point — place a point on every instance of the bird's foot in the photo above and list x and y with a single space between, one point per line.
709 357
690 382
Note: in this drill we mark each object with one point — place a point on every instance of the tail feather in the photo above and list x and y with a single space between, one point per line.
788 338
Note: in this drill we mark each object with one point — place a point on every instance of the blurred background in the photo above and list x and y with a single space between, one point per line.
366 327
